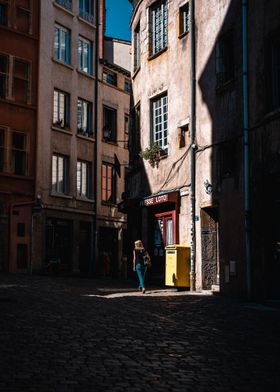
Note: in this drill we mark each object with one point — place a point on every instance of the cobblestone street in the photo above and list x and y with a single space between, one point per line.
66 334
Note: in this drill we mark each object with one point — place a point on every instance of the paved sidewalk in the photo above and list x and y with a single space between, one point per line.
83 335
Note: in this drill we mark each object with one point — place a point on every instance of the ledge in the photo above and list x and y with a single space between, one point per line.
61 195
87 138
136 72
54 128
85 74
86 22
84 199
62 63
182 35
153 56
60 7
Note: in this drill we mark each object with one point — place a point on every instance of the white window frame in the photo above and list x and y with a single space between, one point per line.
159 26
83 179
85 55
160 121
61 109
60 173
84 117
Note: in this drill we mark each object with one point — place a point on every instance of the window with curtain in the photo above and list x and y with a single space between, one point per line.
108 183
85 55
60 173
61 102
84 179
84 117
62 44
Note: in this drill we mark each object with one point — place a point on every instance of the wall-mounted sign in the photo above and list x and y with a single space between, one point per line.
155 200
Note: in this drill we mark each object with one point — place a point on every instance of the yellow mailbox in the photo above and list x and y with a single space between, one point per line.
177 265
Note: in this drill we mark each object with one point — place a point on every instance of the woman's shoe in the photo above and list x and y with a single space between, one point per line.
143 291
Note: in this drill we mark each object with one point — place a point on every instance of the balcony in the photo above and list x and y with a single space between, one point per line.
88 17
65 4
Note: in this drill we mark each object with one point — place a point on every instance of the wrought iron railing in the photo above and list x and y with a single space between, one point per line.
86 16
65 3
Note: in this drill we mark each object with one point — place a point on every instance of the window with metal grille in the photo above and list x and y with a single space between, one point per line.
109 77
160 121
109 124
184 22
225 59
61 102
84 179
19 153
60 173
86 10
108 190
84 117
21 81
273 72
62 44
137 46
159 26
4 75
85 55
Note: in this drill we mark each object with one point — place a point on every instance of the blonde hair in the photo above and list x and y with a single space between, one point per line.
138 244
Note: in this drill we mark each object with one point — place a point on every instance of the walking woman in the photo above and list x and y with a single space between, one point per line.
139 253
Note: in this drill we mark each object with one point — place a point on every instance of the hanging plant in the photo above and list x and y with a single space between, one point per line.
152 154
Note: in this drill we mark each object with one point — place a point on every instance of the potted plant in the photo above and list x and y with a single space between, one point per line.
152 154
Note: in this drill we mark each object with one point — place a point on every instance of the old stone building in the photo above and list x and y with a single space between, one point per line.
112 146
206 90
19 31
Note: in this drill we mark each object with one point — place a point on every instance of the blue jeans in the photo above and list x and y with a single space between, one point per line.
141 275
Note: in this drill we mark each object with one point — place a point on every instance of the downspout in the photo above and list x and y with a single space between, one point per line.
193 148
95 136
246 146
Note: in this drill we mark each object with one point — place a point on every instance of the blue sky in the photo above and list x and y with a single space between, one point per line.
118 18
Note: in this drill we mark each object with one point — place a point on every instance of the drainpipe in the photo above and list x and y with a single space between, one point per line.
193 147
94 226
246 145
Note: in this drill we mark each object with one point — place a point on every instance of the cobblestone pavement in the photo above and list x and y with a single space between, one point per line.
81 335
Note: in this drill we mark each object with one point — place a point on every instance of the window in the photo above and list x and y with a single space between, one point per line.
13 152
184 22
23 15
20 229
2 149
83 179
108 183
21 83
3 14
127 85
224 59
65 3
86 10
273 72
160 121
4 72
61 102
84 120
60 173
126 129
134 137
110 124
85 55
109 77
158 33
62 44
137 47
19 154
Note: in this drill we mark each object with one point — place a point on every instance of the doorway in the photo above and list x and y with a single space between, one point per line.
164 233
108 252
209 247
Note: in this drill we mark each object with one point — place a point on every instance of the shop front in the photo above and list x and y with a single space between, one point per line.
162 212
